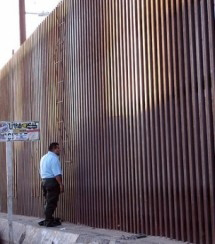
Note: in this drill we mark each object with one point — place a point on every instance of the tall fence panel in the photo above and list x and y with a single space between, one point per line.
128 90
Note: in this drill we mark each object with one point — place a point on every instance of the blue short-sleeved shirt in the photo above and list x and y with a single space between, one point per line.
50 166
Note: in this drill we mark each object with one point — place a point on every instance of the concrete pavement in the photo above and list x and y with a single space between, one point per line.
27 231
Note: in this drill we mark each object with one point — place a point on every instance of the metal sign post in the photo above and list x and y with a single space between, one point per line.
9 132
9 162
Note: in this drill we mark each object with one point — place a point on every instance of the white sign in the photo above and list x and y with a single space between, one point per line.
19 131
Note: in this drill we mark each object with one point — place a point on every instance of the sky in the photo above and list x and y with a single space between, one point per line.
9 23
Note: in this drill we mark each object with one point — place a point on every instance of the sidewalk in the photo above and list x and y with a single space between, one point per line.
27 231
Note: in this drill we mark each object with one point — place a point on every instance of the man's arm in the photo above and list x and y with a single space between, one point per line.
59 180
56 170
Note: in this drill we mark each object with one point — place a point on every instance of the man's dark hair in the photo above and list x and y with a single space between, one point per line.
53 145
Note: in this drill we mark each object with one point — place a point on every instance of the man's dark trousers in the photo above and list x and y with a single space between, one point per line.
51 192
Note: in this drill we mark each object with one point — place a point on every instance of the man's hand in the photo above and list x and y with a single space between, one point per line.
61 188
59 180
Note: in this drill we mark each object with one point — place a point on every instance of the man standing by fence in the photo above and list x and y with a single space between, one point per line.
51 174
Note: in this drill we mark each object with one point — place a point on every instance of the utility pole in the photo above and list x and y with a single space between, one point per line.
22 24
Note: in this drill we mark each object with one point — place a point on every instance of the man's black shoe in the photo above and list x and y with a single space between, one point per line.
51 223
41 223
57 221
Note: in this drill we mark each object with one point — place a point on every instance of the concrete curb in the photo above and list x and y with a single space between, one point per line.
27 231
26 234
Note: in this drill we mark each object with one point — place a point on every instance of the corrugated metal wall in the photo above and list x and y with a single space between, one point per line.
128 89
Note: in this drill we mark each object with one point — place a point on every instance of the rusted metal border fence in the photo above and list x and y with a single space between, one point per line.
128 89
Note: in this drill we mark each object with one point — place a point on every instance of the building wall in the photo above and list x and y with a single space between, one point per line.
127 87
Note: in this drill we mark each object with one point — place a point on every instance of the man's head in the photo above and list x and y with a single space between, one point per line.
55 148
